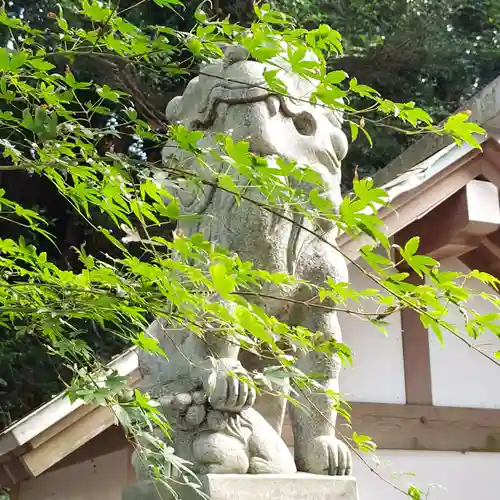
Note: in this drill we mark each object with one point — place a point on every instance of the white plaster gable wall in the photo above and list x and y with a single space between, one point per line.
445 475
100 479
377 374
461 376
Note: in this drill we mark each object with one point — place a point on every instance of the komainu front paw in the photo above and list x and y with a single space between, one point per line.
325 455
226 391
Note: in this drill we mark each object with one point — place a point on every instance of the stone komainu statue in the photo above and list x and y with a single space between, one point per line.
223 432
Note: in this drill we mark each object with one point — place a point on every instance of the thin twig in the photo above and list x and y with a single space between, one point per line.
131 7
308 304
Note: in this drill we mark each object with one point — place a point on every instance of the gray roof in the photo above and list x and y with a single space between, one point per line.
422 160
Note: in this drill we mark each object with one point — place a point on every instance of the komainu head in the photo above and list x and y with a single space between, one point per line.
232 96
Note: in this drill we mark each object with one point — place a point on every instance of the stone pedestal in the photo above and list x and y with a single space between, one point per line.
253 487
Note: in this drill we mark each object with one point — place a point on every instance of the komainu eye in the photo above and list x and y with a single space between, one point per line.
305 124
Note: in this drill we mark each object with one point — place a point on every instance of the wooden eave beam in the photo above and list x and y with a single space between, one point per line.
486 257
89 437
422 427
490 168
457 225
415 203
109 441
67 441
418 427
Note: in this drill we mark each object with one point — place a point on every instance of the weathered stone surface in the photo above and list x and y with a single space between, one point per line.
215 426
254 487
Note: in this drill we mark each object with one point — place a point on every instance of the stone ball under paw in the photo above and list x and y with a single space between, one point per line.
216 420
195 415
218 453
